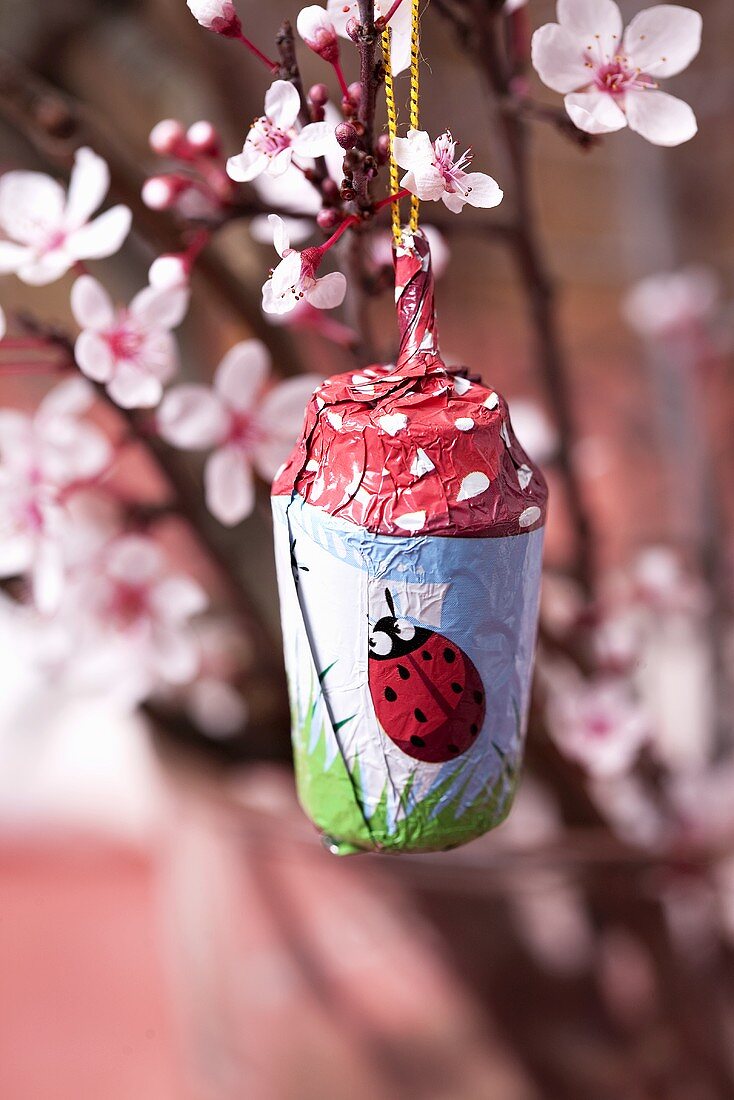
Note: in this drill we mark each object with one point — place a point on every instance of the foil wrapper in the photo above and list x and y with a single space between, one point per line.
408 533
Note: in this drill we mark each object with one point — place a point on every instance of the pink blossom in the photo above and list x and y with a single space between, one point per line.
42 459
610 78
133 594
341 12
274 139
295 277
434 172
129 350
216 15
48 230
318 32
672 303
598 723
247 425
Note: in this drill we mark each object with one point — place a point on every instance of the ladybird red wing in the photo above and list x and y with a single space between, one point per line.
430 701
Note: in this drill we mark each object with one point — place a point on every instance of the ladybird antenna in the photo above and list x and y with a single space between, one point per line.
390 603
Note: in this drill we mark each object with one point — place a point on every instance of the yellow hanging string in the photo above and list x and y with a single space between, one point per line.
392 117
392 130
414 76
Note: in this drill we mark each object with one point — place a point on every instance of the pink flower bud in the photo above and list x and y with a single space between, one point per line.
346 135
382 148
204 139
218 16
318 94
317 31
162 192
352 29
167 137
169 270
355 93
328 218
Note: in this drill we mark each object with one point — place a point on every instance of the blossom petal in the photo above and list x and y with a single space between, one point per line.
101 237
454 200
400 25
661 118
280 236
558 58
276 303
314 140
177 597
131 388
176 655
242 373
595 112
13 257
413 151
230 489
425 181
247 165
192 417
40 270
328 291
94 356
279 419
587 18
48 575
160 307
663 40
91 304
31 206
282 104
88 185
280 163
70 398
287 277
134 559
482 190
312 20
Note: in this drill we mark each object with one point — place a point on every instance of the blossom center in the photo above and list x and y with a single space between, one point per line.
269 138
125 341
599 725
129 603
243 432
616 77
444 160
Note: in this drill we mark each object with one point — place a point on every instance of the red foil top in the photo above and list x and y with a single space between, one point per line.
415 448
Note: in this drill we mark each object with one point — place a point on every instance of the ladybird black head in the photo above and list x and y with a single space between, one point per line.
394 637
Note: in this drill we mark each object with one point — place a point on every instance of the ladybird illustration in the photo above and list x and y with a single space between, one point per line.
428 696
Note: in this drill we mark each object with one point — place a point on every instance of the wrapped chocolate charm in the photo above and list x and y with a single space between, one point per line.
408 533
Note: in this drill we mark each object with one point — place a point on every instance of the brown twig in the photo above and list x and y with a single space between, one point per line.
370 77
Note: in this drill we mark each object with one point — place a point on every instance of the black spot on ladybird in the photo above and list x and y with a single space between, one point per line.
449 655
474 729
453 748
390 695
403 672
426 655
419 715
478 696
457 688
417 741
